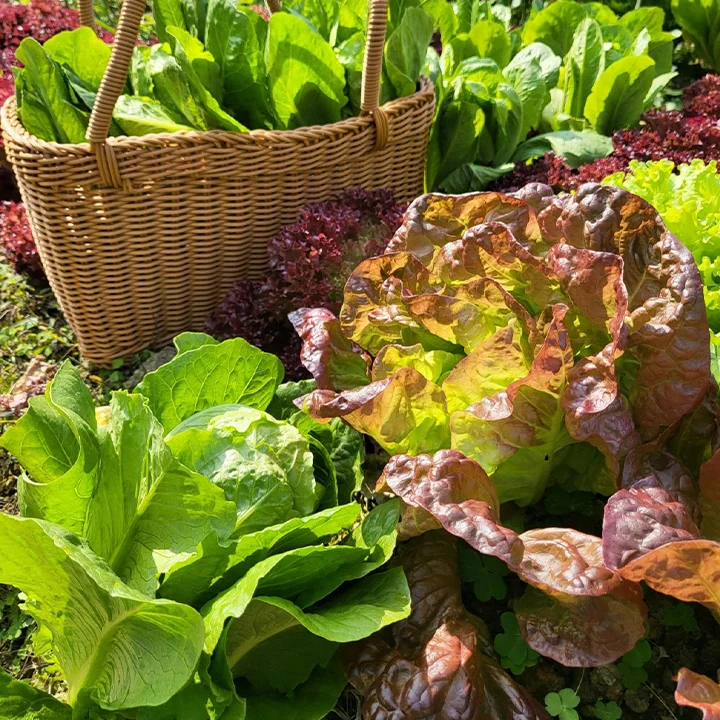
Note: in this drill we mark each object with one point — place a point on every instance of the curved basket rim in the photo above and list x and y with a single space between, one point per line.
308 135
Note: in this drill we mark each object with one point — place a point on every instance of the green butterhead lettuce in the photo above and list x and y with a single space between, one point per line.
233 372
264 465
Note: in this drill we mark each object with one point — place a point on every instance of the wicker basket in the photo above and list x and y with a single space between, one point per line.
141 237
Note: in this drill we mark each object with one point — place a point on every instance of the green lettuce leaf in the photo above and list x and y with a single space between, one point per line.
454 138
142 116
311 700
584 63
555 26
236 37
699 22
149 511
270 629
103 623
491 40
264 465
168 13
44 80
57 444
545 57
233 372
406 48
203 77
620 94
306 80
171 88
528 81
22 701
307 573
82 53
576 148
215 567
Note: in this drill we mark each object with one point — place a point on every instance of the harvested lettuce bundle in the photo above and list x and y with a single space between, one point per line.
219 65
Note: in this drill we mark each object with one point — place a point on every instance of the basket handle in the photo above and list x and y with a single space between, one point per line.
118 67
87 13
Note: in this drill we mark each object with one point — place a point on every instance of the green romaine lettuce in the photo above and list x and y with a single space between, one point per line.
180 540
305 79
98 623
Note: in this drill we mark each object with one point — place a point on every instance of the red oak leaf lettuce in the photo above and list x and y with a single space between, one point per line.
522 330
438 663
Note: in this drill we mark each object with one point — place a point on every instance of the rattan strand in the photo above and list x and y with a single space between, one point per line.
134 265
86 12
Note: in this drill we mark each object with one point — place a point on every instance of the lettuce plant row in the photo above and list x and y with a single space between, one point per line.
572 74
678 136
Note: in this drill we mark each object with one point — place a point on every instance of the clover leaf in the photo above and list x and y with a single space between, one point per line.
485 573
515 655
562 704
607 711
631 666
680 615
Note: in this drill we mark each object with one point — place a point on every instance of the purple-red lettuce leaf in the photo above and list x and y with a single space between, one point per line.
710 497
335 362
700 692
649 535
437 663
669 332
457 494
577 611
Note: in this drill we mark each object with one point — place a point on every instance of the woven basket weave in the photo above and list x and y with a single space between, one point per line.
141 237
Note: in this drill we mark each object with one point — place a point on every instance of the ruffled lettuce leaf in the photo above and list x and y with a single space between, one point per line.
522 330
649 535
700 692
576 610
